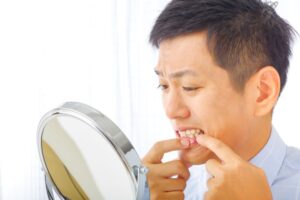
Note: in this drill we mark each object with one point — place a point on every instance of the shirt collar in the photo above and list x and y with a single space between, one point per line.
271 157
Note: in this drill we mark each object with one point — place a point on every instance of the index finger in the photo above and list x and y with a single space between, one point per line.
221 150
158 150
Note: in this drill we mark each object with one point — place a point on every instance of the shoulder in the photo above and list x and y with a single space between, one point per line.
290 169
288 177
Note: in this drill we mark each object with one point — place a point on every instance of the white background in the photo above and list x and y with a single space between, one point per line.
95 52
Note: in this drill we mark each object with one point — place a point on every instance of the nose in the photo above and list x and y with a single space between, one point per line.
175 106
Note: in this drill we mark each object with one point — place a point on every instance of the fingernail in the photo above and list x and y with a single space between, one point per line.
198 139
185 142
192 140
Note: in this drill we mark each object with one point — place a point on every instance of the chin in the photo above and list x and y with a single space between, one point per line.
195 155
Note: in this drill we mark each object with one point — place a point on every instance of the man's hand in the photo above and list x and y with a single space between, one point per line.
165 180
233 178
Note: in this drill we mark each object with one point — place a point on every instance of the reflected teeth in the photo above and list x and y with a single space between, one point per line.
191 133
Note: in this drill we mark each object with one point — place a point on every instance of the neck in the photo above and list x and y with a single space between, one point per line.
258 138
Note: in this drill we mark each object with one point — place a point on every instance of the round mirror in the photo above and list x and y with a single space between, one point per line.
86 156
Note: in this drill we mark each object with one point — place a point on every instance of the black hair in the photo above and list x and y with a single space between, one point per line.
243 36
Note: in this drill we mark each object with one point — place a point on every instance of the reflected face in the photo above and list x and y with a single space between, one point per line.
198 94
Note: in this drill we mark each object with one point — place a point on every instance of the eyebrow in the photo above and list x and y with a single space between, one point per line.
178 74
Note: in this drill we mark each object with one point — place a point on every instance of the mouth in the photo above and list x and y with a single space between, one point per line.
189 134
195 154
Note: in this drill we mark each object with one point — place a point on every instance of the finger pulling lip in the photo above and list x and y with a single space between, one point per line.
193 153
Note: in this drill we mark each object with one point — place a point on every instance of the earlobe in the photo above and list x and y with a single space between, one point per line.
267 82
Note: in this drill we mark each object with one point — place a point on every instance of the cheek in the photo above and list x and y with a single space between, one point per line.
218 113
164 100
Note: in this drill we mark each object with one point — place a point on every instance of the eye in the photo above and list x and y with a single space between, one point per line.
162 86
188 89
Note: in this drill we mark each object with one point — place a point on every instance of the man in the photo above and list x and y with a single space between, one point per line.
222 65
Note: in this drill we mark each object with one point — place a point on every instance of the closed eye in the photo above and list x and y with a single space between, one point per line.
190 88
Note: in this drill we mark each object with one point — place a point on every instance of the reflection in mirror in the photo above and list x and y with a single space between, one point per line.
83 164
69 187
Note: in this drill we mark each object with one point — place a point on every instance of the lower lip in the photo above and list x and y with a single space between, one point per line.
195 154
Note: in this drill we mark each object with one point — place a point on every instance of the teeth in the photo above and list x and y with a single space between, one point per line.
190 133
187 132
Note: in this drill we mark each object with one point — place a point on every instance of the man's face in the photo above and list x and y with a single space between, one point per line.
198 94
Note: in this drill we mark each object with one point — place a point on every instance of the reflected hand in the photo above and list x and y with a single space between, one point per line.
233 178
160 177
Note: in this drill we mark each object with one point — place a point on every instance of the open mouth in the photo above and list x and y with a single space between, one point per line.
189 134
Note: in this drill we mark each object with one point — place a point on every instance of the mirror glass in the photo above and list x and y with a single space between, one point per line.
86 158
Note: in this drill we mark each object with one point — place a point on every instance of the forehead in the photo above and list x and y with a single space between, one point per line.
184 52
185 45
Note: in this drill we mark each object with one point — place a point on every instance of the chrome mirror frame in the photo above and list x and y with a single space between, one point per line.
106 128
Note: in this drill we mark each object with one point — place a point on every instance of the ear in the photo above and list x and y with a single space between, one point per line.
266 89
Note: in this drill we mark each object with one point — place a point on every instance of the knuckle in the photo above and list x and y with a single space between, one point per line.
237 165
145 163
145 160
180 168
155 154
153 183
154 187
178 165
158 145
